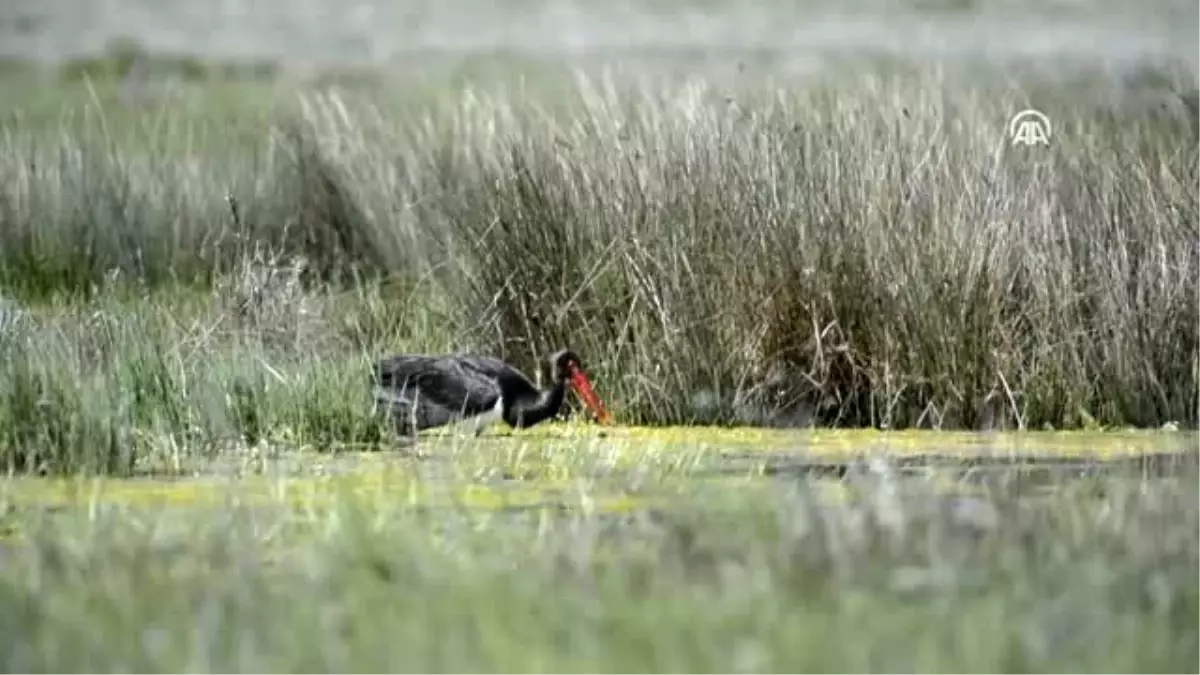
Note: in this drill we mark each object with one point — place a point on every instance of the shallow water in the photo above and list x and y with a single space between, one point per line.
796 36
622 469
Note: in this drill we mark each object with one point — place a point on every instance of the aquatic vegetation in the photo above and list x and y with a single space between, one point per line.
195 280
576 466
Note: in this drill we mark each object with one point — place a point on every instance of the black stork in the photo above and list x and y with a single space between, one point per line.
422 391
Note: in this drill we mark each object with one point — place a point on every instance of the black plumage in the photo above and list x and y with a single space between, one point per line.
423 391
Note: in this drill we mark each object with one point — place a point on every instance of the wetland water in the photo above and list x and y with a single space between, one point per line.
708 35
566 466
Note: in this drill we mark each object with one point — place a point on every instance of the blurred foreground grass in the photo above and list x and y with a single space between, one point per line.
569 552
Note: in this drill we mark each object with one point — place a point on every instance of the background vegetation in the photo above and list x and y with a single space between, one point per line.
200 256
866 252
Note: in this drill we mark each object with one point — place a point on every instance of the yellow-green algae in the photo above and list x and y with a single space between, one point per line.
374 481
823 442
563 465
562 452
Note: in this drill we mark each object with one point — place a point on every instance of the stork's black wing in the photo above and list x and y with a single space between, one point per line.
513 382
431 391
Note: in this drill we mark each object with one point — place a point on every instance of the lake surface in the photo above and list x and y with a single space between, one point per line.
795 36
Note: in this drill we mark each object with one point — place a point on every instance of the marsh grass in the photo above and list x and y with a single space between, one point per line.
97 389
869 252
196 278
755 575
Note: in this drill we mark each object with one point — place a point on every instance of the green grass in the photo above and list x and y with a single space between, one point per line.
194 288
634 557
852 253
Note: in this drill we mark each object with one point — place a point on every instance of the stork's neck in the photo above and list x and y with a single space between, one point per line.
526 412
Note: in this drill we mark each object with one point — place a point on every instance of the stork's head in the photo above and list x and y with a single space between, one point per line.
566 366
563 365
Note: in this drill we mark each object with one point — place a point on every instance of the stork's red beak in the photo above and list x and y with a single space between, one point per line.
583 387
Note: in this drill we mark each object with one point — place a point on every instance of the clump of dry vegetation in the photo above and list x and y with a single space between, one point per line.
854 253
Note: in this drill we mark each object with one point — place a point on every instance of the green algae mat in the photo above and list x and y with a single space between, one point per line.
571 466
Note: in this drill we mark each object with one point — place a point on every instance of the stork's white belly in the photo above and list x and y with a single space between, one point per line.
477 424
470 426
